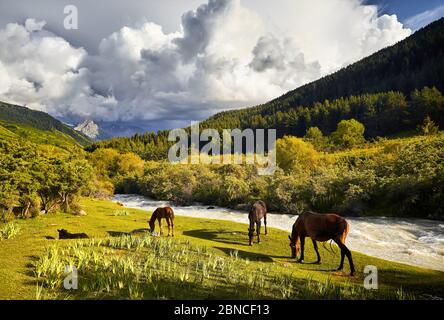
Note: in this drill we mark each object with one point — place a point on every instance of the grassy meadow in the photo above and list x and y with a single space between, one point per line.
207 259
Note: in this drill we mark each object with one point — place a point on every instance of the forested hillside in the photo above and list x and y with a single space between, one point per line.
27 123
413 63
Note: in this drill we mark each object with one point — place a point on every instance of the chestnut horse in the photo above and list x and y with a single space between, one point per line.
257 212
320 227
163 213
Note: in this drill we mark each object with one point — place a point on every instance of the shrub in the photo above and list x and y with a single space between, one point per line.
9 231
349 133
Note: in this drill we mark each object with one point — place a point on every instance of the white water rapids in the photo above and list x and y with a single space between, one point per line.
412 241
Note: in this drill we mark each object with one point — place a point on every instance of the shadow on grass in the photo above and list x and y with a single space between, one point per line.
29 271
134 232
218 236
252 256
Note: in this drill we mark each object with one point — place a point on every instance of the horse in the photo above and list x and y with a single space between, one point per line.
257 212
64 234
320 227
163 213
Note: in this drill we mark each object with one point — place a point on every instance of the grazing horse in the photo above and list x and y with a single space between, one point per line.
320 227
64 234
163 213
257 212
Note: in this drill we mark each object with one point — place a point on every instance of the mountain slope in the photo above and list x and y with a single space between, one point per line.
37 126
413 63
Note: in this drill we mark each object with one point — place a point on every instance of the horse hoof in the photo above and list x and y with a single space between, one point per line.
299 261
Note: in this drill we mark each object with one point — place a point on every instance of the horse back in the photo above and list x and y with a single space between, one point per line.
323 227
165 212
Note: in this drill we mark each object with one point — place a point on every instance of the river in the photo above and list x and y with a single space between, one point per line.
412 241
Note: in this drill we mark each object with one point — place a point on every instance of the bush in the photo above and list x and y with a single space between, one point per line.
295 154
9 231
349 133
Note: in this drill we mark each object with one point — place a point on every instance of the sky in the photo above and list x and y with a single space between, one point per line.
161 64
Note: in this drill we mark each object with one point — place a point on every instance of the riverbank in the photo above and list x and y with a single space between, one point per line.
416 242
221 238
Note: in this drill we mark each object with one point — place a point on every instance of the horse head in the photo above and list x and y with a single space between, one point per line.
151 224
251 233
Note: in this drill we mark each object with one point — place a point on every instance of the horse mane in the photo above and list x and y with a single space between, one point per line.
154 215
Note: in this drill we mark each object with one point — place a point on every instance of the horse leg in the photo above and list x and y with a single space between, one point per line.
258 224
265 223
341 265
169 226
302 249
345 252
172 227
160 226
251 232
315 245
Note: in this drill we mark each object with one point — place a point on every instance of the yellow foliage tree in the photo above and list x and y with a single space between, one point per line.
293 153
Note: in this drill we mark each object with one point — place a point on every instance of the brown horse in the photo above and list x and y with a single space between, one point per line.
320 227
257 212
163 213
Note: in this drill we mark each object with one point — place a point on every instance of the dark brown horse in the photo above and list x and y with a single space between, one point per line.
163 213
320 227
257 212
64 234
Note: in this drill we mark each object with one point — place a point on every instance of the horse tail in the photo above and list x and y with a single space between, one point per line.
331 250
342 232
346 231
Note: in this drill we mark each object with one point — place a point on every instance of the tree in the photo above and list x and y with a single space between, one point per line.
294 153
130 163
314 135
349 133
428 127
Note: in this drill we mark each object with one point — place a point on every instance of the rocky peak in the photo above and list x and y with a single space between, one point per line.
88 128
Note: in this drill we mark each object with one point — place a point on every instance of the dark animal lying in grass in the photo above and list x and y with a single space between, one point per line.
64 234
166 213
322 228
257 212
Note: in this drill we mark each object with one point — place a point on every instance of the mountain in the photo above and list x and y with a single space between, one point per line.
89 129
36 126
413 63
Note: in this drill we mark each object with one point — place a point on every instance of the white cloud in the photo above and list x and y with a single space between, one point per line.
422 19
225 55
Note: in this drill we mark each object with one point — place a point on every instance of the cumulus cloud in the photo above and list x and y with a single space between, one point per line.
225 55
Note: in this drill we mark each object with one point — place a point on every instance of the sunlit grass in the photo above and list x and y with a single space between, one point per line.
9 231
207 259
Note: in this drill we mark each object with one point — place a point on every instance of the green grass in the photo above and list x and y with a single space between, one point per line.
14 131
184 267
9 231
